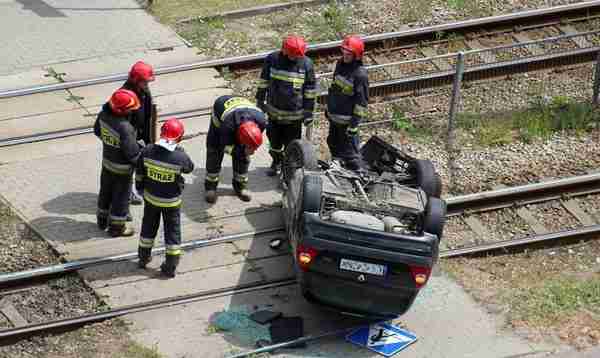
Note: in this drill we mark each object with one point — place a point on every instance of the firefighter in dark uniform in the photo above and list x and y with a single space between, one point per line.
347 103
287 83
140 75
236 128
120 153
159 177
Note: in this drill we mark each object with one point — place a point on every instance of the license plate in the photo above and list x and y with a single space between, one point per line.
363 267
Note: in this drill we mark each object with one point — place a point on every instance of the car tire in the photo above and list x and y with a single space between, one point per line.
427 179
299 154
312 190
435 217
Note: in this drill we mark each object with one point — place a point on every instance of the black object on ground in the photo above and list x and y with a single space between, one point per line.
286 329
264 316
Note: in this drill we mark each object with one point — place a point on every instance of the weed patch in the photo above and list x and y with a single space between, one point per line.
543 117
555 299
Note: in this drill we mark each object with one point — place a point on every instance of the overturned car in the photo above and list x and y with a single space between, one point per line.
364 243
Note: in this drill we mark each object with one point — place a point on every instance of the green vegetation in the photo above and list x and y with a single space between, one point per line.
541 119
555 299
135 350
331 25
170 11
413 11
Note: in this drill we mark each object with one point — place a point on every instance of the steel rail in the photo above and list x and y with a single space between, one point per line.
11 334
523 194
484 201
16 277
8 335
557 13
71 132
543 190
585 232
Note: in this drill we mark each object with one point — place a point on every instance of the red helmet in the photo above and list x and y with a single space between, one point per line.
294 46
172 129
141 71
249 135
124 101
354 44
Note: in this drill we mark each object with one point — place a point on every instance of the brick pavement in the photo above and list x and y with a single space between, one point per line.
43 32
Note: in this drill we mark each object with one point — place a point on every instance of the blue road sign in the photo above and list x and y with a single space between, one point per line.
382 338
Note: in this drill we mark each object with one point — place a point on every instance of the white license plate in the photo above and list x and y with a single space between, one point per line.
363 267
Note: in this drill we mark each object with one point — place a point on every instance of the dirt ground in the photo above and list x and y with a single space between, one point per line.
63 297
546 294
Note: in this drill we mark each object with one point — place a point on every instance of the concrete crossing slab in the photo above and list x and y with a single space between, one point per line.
43 103
46 123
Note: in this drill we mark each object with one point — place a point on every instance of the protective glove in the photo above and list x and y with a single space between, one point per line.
229 149
308 119
141 143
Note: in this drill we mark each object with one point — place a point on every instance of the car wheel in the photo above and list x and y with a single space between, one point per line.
312 190
299 154
435 217
427 178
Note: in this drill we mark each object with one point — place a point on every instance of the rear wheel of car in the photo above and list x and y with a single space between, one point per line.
299 154
312 190
435 217
427 178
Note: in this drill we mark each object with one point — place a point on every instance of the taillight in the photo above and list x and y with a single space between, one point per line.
420 275
306 255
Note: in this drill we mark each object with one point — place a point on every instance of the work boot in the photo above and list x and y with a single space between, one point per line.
120 230
102 222
241 190
135 199
275 169
211 196
169 267
144 256
243 194
210 190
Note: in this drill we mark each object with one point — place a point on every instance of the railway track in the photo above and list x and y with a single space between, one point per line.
402 63
379 42
467 207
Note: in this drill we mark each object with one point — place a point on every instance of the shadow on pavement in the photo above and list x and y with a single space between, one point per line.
73 203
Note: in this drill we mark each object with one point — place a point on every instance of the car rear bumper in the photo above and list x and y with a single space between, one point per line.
359 298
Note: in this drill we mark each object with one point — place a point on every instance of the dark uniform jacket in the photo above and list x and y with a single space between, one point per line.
143 116
228 113
120 149
348 94
158 175
289 87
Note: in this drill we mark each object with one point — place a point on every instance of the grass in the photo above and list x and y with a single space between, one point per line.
416 10
555 299
401 123
333 23
169 11
472 7
135 350
543 117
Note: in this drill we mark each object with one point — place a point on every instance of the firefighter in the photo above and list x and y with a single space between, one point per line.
347 103
159 177
140 75
287 83
120 152
236 128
